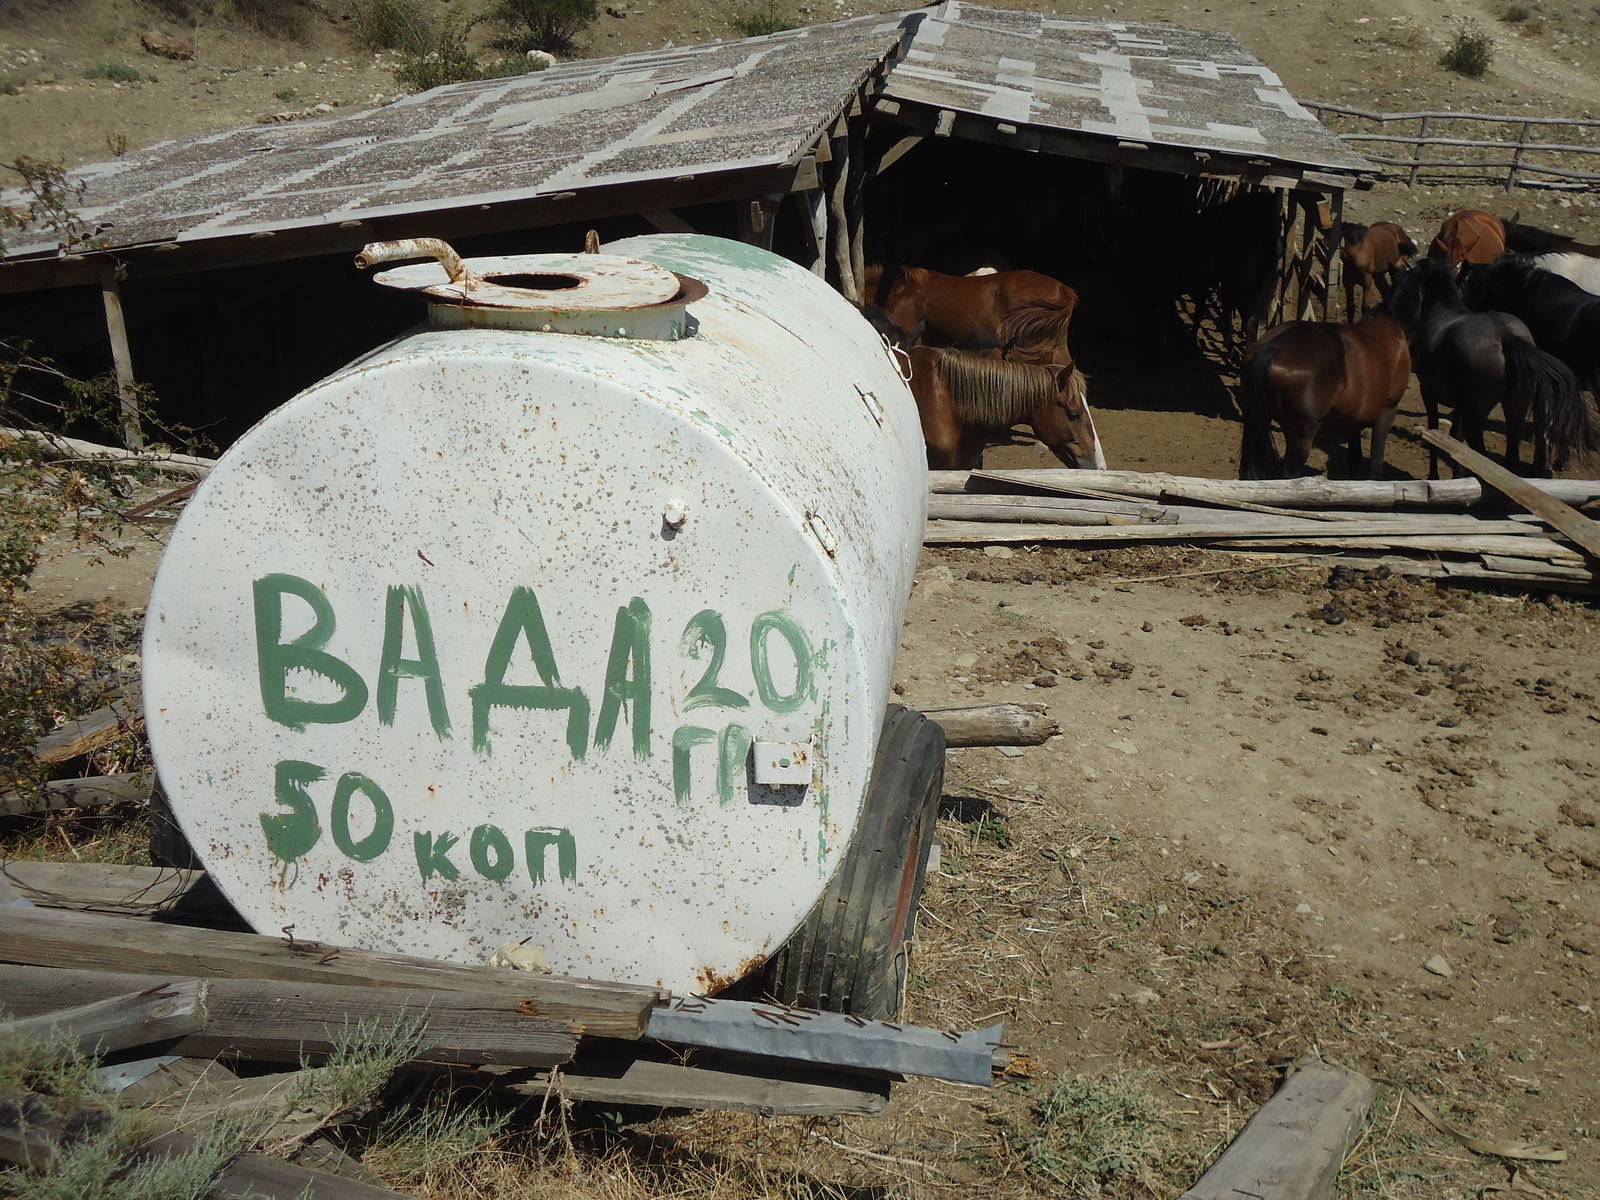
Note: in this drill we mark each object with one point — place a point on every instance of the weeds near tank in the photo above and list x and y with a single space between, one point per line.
549 25
1470 53
444 1135
92 1143
1095 1137
365 1057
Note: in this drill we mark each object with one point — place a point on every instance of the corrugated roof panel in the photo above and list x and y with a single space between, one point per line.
1134 81
692 109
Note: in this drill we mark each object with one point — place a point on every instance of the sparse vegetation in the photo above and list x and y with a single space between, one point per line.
8 86
1470 53
550 25
117 143
391 25
94 1143
431 55
1515 14
757 22
1093 1137
447 59
284 94
114 72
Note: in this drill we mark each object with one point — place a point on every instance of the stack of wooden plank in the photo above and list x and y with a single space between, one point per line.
1505 529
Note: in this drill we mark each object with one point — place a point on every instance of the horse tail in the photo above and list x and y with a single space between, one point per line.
1036 332
1561 413
1258 456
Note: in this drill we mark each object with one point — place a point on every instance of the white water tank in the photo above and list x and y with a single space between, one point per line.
565 621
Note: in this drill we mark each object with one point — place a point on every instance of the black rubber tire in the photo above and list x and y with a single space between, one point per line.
852 951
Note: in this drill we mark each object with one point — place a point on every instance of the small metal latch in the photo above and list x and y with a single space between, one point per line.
874 406
781 764
824 534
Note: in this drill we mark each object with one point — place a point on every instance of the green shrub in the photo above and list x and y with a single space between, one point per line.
281 18
115 72
757 22
1516 14
1470 53
542 24
1096 1136
284 94
392 25
447 59
8 86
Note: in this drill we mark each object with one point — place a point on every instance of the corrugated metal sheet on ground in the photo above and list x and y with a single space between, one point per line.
589 123
1134 81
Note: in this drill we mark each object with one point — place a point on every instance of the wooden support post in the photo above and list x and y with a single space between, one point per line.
1416 159
1276 299
860 172
1516 156
816 206
752 221
121 356
1305 289
1332 265
843 260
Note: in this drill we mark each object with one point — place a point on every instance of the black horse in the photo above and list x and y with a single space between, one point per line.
1468 362
1563 318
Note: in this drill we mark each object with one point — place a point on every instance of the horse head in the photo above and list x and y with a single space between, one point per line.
1067 425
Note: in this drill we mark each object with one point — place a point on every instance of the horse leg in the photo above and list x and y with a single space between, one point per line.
1515 415
1352 456
1380 435
1430 402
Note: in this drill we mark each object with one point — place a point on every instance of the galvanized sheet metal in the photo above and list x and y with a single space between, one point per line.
429 668
1134 81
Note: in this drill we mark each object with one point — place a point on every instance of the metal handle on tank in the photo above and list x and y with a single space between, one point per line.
381 252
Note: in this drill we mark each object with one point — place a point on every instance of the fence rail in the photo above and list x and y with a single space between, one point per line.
1567 155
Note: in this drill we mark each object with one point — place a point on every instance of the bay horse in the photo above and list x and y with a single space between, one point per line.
1470 361
1026 312
1557 253
1563 318
1372 257
965 397
1470 235
1321 377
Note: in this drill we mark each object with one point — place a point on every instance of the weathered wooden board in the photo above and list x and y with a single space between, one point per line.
1280 529
83 735
1303 492
136 1013
1533 548
1521 491
1293 1147
136 890
995 724
280 1021
93 792
669 1085
52 938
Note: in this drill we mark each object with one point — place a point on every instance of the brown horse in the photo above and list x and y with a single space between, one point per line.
1025 312
1470 235
1372 255
1319 376
964 398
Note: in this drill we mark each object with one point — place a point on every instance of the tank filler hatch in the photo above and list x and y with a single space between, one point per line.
599 295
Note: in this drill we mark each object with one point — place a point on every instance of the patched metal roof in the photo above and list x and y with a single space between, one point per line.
578 125
1132 81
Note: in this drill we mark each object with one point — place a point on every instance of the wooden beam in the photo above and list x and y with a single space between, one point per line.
83 735
43 937
775 1092
839 221
132 890
157 1012
898 151
92 792
994 724
279 1021
1293 1147
1520 491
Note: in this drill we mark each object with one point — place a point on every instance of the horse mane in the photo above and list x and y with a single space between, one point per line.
993 393
1530 239
1034 331
1352 232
